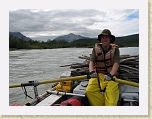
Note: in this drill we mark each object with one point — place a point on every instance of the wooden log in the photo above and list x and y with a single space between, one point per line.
66 65
131 63
84 57
128 56
79 66
130 67
128 59
69 65
130 72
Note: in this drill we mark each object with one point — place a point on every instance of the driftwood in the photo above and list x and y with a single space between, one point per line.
69 65
131 68
128 70
84 57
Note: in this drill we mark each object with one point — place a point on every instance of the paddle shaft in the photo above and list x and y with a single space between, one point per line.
51 81
126 82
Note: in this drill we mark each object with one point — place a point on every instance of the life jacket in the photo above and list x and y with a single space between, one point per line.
104 61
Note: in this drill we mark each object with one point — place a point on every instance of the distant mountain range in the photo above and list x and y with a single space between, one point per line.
19 35
70 37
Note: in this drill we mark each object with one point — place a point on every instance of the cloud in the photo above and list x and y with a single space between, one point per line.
48 24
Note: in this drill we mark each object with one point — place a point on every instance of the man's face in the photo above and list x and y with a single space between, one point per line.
105 40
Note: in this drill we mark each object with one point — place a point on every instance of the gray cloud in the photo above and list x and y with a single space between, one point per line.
49 24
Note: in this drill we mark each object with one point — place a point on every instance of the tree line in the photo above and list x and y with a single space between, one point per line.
20 43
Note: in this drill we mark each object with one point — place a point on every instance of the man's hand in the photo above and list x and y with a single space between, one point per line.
93 74
108 77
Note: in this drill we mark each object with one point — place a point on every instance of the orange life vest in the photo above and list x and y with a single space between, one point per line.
104 61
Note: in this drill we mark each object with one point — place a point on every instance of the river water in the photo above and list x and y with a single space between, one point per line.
44 64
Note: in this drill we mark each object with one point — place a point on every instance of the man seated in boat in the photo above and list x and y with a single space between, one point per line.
103 66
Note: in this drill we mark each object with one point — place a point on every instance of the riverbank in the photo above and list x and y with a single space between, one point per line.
14 49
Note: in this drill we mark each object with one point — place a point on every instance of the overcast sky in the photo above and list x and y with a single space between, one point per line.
48 24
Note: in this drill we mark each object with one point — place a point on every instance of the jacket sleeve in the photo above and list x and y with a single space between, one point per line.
93 56
116 56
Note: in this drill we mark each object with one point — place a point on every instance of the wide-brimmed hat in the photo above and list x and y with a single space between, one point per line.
106 32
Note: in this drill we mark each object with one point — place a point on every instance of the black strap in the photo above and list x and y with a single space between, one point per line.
99 85
25 92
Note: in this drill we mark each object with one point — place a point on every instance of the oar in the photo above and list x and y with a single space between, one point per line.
31 83
51 81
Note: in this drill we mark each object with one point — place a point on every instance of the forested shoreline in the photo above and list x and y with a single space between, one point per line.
19 43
